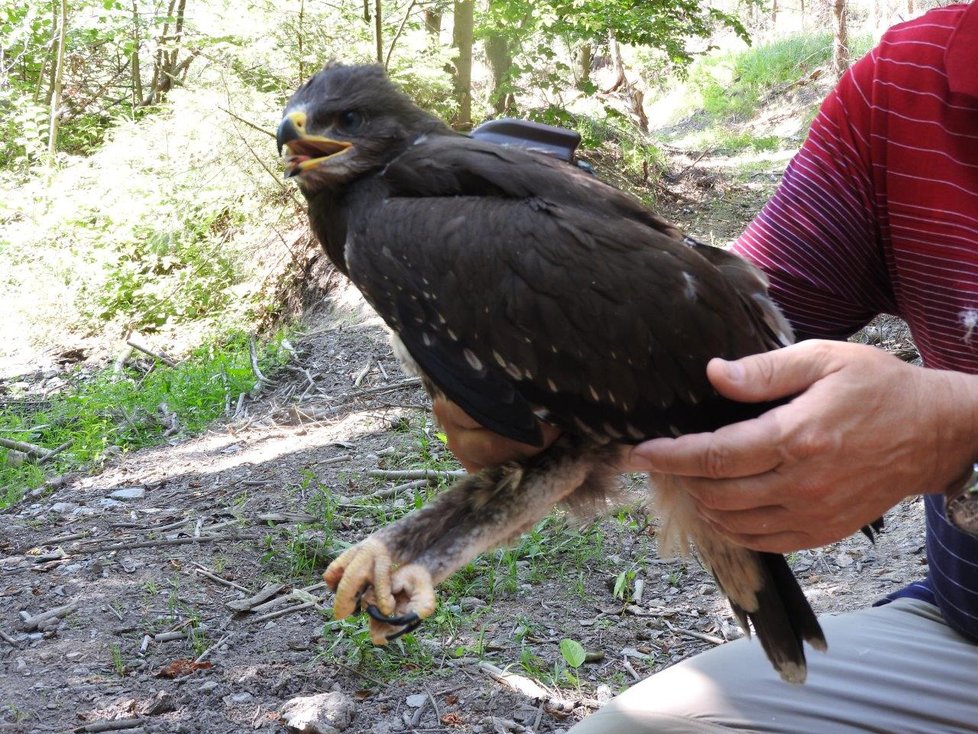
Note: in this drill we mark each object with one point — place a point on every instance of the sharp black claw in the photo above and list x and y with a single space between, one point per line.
407 628
406 619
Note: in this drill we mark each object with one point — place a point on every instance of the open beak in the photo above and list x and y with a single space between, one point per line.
305 152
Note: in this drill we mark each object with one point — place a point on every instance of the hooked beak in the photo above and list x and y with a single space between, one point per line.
305 152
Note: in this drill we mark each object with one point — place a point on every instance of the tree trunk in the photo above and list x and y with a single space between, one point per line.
462 33
432 24
585 58
840 42
54 61
59 69
379 30
637 101
500 63
137 80
167 71
619 64
299 39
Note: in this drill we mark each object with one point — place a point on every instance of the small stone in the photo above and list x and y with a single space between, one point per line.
129 493
63 507
471 603
207 686
107 503
325 713
242 697
604 693
416 701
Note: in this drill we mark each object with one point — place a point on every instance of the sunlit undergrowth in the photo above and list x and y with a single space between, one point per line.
734 84
174 226
744 100
99 411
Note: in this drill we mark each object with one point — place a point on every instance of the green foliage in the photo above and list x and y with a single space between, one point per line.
733 84
118 662
99 411
543 38
348 641
177 271
573 652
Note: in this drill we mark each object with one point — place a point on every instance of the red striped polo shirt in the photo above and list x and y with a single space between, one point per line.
878 213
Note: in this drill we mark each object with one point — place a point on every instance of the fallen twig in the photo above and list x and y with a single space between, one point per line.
288 597
287 517
111 725
283 612
253 353
201 571
409 382
8 639
530 688
391 491
161 357
28 448
416 474
700 157
170 636
205 653
694 634
628 666
162 542
53 452
64 539
256 600
34 622
120 361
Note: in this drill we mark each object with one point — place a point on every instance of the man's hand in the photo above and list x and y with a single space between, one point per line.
865 431
477 447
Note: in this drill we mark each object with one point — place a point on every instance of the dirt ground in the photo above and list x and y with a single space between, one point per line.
148 567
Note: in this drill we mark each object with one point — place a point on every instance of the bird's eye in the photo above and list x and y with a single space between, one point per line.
349 121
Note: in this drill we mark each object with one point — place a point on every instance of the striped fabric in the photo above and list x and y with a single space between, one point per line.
878 213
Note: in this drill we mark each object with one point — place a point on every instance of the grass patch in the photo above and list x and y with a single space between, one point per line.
732 85
98 411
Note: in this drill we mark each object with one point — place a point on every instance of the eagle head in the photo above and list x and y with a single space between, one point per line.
347 121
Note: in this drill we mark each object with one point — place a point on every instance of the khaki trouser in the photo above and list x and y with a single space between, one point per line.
895 669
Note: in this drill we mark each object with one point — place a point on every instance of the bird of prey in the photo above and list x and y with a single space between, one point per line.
526 290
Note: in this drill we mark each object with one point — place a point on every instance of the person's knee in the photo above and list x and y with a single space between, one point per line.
697 696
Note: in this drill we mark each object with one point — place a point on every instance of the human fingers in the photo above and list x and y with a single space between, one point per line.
776 374
738 450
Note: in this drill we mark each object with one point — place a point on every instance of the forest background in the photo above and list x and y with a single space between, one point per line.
141 199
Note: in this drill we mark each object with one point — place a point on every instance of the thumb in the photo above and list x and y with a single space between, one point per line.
769 375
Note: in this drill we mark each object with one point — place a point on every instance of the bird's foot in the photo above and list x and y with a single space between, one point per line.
396 602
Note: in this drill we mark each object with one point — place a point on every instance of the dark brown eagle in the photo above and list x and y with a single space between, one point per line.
527 290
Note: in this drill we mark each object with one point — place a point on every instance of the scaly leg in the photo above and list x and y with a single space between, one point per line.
396 568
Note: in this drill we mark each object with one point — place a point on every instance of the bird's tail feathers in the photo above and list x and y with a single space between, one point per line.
760 586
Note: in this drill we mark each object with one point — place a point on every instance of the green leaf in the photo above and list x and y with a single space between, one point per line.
573 652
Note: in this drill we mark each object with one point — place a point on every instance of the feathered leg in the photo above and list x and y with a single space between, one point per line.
397 567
